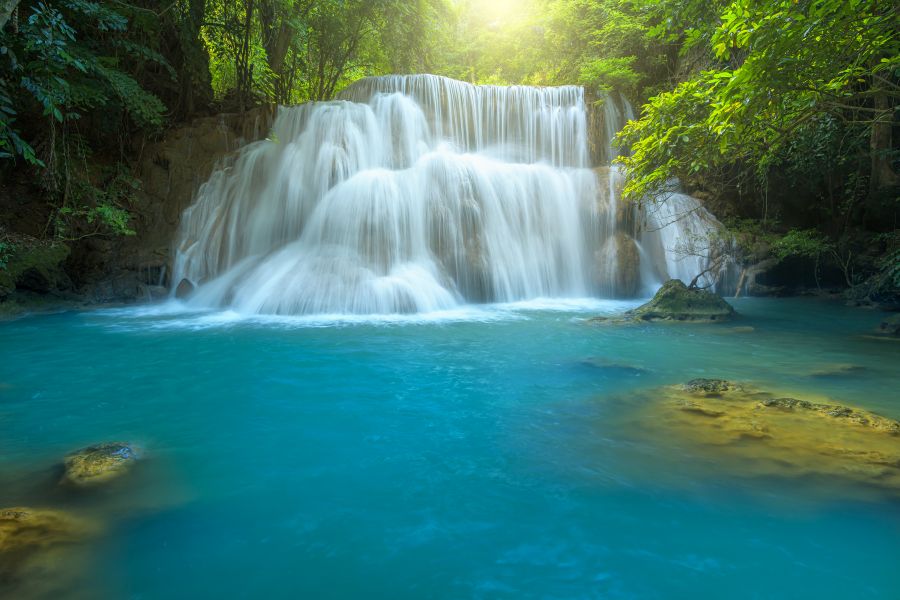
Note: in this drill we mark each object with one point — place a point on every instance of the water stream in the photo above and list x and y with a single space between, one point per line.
421 193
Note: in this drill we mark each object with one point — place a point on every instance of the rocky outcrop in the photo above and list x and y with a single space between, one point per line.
676 302
628 278
617 267
171 171
99 464
29 265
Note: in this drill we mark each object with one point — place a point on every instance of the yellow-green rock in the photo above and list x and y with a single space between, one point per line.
99 463
23 528
37 547
754 432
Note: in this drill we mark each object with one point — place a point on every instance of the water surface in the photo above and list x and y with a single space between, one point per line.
473 453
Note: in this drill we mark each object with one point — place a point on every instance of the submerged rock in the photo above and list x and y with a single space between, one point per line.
31 541
741 329
709 386
754 432
23 528
838 370
676 302
99 463
605 364
890 326
852 415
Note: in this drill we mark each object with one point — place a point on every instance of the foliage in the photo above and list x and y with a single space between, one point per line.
70 66
6 251
100 209
781 65
807 243
779 113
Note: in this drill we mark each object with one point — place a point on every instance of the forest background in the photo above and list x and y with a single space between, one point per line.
780 115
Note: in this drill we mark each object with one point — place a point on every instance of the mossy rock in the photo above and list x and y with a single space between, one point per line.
676 302
35 266
24 528
39 551
99 463
752 432
710 386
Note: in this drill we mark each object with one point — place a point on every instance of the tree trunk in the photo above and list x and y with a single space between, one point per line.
880 146
243 67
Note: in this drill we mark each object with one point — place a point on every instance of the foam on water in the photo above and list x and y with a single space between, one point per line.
175 314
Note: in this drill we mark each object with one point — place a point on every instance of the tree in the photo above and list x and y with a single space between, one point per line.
66 63
781 67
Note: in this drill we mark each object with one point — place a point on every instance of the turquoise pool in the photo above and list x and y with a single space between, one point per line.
472 454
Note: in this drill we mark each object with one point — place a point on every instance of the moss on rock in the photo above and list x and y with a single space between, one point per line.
36 546
33 265
710 387
99 463
676 302
754 432
23 528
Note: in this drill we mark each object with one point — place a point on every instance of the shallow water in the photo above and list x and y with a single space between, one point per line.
474 453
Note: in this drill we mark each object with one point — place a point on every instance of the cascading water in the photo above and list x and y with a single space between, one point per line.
410 194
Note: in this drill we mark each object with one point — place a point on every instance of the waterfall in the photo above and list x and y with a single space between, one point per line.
412 194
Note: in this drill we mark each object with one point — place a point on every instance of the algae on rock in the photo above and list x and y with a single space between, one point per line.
33 265
676 302
99 463
35 543
753 432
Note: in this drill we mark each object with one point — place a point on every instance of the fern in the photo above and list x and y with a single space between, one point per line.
146 109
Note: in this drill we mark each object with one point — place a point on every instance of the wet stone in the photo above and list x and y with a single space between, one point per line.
99 463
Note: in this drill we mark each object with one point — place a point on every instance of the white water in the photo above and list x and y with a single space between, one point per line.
419 194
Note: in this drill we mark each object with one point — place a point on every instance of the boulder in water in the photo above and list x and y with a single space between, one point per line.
99 463
676 302
185 288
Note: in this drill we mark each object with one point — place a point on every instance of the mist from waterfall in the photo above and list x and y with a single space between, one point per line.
420 193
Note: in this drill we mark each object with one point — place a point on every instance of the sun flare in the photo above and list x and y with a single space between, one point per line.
497 13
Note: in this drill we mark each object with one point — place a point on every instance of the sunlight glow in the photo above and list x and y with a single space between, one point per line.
497 13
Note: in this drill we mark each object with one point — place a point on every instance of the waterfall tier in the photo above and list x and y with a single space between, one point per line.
419 193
